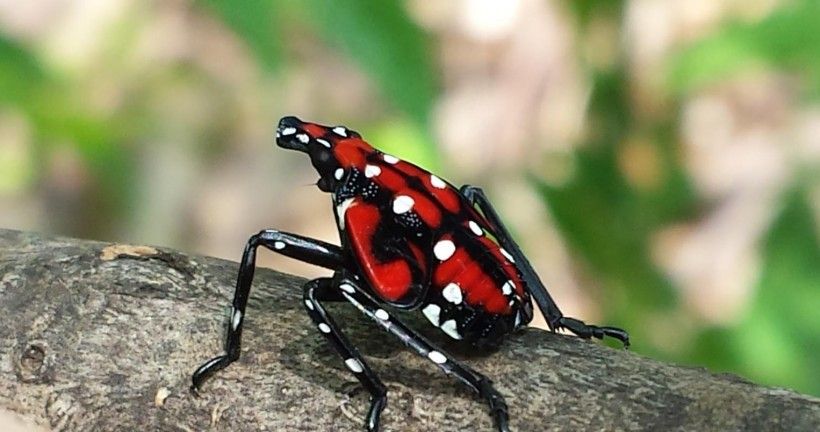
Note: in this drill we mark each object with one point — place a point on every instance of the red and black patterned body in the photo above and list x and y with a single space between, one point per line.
412 241
420 244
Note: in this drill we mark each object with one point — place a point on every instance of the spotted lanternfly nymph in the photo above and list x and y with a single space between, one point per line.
411 241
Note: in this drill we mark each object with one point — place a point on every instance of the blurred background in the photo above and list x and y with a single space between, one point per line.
657 160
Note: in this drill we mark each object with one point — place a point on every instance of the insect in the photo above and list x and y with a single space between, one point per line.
412 241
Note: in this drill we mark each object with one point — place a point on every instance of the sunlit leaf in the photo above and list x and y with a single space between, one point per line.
405 140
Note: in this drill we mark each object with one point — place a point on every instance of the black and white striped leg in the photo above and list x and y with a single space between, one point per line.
555 319
314 292
472 379
292 245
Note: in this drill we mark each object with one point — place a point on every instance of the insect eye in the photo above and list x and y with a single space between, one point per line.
323 156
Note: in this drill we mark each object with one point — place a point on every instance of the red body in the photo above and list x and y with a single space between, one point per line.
419 243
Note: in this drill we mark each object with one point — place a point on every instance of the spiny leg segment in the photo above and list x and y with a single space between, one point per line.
474 380
555 319
346 288
292 245
324 288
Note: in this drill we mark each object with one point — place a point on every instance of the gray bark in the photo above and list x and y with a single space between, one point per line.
95 337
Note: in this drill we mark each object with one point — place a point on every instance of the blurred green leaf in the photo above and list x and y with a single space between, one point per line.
780 338
586 10
20 73
786 39
388 46
255 22
777 342
608 222
405 140
59 117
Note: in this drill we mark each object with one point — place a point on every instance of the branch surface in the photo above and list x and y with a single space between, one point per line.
95 336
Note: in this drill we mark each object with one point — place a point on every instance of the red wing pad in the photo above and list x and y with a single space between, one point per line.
395 274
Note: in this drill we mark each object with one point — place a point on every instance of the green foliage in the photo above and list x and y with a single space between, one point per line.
608 222
59 118
779 340
20 73
786 39
377 35
387 45
255 21
586 10
404 140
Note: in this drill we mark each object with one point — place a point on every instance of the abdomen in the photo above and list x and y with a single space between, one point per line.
476 294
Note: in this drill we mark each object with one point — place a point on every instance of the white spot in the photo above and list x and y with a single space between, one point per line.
506 255
437 182
340 130
237 318
402 204
347 288
444 249
309 304
341 209
278 245
288 131
437 357
452 292
517 319
451 329
278 134
475 228
372 171
324 328
323 142
432 313
338 173
392 160
382 315
507 288
354 365
303 138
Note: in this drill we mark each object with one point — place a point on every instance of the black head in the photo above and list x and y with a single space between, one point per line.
324 144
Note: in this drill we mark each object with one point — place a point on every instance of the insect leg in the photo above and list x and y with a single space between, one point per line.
471 378
555 319
316 290
295 246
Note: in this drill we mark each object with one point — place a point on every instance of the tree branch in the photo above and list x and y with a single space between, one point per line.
96 337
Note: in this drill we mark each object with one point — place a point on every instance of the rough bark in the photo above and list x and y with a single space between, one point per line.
95 337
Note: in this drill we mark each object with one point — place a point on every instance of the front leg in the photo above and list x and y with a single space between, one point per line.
555 319
292 245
